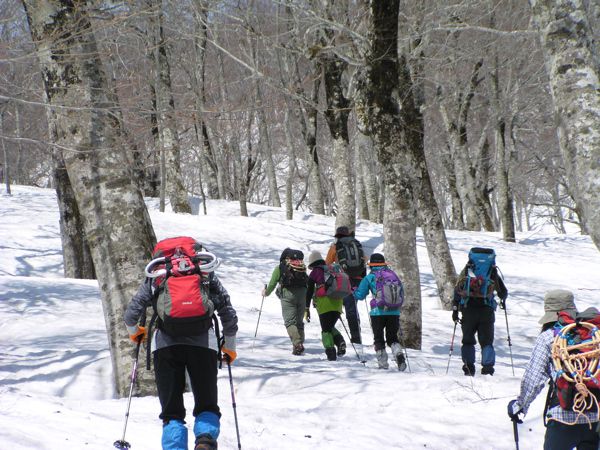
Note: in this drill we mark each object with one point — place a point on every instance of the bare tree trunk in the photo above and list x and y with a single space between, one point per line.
292 171
367 166
336 115
96 162
573 65
380 114
209 167
6 167
77 257
169 138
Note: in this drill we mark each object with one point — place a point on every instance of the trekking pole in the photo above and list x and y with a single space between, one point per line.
348 336
237 429
122 444
516 433
509 343
258 321
451 347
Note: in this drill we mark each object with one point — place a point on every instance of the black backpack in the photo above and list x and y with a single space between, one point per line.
292 269
350 256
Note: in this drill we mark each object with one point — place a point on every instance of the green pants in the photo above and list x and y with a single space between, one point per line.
293 301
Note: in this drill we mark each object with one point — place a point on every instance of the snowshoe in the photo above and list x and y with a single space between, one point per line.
205 442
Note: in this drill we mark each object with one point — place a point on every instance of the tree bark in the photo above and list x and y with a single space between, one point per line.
573 65
116 222
379 106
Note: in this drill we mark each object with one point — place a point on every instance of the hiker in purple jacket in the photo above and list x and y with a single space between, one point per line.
385 321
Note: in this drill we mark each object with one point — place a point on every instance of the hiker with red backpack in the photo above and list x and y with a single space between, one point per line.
321 284
566 352
184 291
388 295
347 251
474 298
290 278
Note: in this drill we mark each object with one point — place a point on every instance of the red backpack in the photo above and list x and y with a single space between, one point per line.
179 269
576 356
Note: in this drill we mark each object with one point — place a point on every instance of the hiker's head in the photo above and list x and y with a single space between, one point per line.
342 231
376 260
555 301
314 258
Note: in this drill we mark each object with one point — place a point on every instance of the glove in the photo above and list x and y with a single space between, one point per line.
455 318
307 314
514 409
139 336
264 293
228 349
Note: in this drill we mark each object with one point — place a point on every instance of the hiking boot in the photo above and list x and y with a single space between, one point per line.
382 359
487 370
469 369
205 442
401 361
341 349
298 349
331 354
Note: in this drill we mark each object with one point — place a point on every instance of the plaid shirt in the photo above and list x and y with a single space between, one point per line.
538 371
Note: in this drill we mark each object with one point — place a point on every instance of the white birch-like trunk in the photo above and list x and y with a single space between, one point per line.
116 222
572 61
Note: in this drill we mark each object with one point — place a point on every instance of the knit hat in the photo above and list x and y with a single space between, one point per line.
556 301
376 259
341 232
314 257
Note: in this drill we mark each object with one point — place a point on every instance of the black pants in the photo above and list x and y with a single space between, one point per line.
478 320
385 330
565 437
352 314
170 365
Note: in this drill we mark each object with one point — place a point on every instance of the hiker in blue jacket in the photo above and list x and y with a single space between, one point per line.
385 321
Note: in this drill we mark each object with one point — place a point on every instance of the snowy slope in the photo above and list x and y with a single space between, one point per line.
55 375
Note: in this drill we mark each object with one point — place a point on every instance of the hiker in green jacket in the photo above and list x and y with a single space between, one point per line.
290 278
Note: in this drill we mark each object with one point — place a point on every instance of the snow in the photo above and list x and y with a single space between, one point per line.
55 373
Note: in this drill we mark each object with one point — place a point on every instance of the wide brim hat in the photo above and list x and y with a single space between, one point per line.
555 301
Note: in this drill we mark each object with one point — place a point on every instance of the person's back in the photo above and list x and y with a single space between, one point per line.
290 278
347 251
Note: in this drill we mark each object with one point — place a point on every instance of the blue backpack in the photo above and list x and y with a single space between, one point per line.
477 283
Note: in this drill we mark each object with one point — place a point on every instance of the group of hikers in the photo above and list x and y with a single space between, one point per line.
334 283
184 292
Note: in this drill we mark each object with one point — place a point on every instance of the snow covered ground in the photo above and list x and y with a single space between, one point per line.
55 374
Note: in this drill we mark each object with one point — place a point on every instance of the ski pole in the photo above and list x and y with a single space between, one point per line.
237 429
258 321
509 343
122 444
451 347
348 336
516 433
